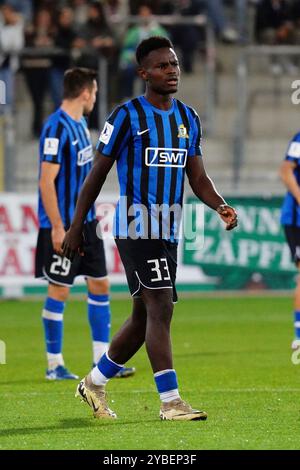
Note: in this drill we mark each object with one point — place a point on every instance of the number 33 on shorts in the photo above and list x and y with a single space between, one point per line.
160 269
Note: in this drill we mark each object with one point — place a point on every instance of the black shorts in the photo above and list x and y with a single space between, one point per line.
149 263
292 234
58 270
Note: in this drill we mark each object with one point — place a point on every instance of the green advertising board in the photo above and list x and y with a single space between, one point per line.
254 255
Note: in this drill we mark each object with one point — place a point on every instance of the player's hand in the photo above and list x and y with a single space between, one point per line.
72 244
57 236
229 215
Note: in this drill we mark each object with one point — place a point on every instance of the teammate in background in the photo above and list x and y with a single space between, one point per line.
290 218
66 156
154 139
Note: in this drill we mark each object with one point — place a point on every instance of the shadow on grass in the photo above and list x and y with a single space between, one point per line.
65 424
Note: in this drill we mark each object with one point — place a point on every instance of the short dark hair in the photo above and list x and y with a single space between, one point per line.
149 45
76 79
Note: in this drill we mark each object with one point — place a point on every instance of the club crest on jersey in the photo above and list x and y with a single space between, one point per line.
182 132
85 155
168 157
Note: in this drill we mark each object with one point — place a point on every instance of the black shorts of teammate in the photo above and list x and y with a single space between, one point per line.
149 263
58 270
292 234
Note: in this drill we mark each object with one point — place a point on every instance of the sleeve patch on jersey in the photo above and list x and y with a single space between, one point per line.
51 146
294 150
106 133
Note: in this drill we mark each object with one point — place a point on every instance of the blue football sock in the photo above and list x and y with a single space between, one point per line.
53 328
297 324
167 386
105 370
99 320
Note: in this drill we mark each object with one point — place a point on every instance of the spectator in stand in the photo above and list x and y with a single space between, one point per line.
116 11
98 40
39 35
274 26
23 7
165 7
134 5
273 23
143 30
216 14
97 34
80 8
186 36
296 20
65 37
214 9
11 42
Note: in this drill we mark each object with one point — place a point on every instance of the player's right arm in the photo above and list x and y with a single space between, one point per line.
286 171
112 140
49 173
91 188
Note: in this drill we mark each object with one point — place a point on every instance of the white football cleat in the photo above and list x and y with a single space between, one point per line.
179 410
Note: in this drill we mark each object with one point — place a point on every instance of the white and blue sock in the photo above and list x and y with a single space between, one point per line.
99 319
105 370
167 386
53 326
297 324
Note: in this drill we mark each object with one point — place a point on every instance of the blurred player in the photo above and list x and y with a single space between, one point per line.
66 156
290 218
154 139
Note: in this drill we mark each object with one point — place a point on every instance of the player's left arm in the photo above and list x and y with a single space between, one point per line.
204 188
288 177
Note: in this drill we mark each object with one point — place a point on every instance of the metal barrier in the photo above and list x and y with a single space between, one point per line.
244 97
7 125
1 153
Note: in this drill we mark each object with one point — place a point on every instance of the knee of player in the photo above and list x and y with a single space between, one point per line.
160 309
57 292
98 286
166 306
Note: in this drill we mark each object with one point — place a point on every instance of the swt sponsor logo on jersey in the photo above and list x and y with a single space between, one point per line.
158 156
85 155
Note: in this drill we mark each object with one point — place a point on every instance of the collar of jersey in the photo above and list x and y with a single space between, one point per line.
70 117
157 110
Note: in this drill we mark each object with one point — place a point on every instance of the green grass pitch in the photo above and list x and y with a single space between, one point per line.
232 357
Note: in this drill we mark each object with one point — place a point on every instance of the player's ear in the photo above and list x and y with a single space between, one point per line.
86 94
142 73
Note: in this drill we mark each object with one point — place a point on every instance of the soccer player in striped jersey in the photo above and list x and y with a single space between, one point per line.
66 156
290 219
155 140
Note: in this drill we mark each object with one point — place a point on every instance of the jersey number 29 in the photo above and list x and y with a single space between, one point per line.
60 266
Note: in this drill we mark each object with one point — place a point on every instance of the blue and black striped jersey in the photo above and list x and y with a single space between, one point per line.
151 147
66 142
290 213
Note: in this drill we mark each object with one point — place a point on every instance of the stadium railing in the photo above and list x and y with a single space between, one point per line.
7 122
245 96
